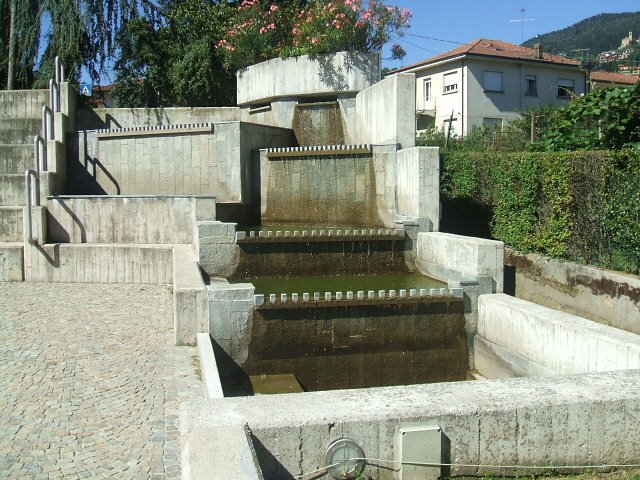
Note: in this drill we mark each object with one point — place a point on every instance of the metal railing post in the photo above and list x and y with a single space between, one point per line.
29 203
47 123
39 155
54 94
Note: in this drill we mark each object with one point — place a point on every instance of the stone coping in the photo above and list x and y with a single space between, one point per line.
178 129
319 150
321 235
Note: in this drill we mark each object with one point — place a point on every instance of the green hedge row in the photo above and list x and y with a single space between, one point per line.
582 206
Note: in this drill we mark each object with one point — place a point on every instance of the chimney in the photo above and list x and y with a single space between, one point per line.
539 51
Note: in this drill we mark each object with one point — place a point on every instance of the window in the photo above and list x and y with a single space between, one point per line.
454 126
531 83
451 82
493 81
428 95
565 87
492 122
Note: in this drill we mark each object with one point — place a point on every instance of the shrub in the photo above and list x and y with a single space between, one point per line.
263 30
583 206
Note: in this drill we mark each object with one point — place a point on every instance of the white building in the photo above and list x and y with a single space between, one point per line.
490 82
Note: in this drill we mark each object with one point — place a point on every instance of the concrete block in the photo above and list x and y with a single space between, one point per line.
441 255
556 341
11 263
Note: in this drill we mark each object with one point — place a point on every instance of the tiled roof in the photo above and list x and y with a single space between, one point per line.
494 48
609 77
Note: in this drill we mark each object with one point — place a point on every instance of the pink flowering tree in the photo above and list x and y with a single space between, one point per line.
262 30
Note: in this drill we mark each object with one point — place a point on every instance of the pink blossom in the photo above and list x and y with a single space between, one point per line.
273 7
314 41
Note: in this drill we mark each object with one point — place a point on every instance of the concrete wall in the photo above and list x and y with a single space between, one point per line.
351 345
190 304
178 163
538 340
318 123
604 296
336 190
23 103
231 308
567 420
97 118
446 257
305 75
418 184
86 263
126 219
385 112
339 190
11 263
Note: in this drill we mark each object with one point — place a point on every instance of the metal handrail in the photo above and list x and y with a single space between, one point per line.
29 192
39 155
47 123
59 70
54 95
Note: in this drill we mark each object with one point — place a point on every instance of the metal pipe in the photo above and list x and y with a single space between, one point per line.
28 192
54 95
57 70
39 154
47 126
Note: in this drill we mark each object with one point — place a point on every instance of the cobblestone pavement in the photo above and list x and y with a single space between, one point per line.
90 381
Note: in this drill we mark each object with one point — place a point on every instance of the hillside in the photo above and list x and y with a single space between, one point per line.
599 33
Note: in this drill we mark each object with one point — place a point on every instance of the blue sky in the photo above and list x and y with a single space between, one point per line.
466 20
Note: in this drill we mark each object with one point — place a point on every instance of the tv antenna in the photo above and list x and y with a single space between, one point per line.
522 21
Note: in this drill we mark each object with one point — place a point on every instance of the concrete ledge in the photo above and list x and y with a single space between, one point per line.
231 457
307 75
604 296
471 257
11 262
548 421
208 367
190 304
556 341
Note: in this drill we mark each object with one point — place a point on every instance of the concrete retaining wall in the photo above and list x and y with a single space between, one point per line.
418 184
97 118
536 340
350 345
385 112
23 103
447 257
305 75
604 296
353 190
190 305
11 263
566 420
85 263
127 219
11 224
179 162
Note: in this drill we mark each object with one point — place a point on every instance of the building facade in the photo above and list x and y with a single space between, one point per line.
490 82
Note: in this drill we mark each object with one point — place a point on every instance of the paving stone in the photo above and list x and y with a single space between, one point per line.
90 381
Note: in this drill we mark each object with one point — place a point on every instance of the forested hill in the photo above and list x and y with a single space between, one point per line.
599 33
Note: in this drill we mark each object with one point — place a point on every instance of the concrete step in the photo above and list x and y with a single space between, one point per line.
100 263
15 158
12 190
11 224
22 103
11 262
19 130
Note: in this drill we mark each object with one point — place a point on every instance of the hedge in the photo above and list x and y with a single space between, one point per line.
581 206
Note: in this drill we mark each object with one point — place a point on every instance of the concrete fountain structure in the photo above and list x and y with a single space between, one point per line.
170 197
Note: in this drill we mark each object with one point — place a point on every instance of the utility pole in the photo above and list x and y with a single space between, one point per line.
522 21
587 86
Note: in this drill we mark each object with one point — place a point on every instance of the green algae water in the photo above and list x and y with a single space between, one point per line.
343 283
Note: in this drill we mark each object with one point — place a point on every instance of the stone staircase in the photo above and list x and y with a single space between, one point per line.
20 113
